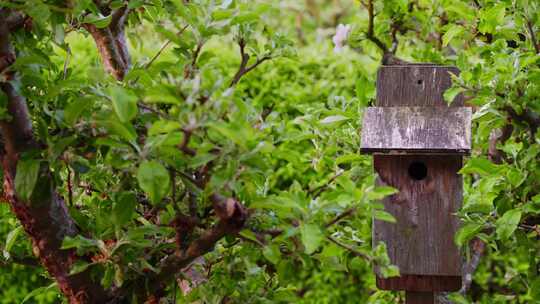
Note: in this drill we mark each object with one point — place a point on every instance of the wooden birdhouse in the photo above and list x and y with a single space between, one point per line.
418 143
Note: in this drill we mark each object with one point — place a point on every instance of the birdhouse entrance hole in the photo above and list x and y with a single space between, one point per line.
417 170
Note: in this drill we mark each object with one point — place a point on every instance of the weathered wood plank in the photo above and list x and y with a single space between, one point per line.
423 283
419 298
398 130
422 240
415 85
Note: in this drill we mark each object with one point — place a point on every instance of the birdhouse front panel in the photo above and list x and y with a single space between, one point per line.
421 242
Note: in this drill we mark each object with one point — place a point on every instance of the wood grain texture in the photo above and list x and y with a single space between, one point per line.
415 85
413 130
422 240
419 298
421 243
422 283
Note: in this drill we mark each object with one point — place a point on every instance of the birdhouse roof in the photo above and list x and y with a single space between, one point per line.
416 130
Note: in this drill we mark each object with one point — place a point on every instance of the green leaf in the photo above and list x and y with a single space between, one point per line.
491 17
79 267
133 4
10 240
389 271
98 20
480 166
333 119
154 180
461 9
58 147
534 289
312 237
108 276
123 208
453 31
124 130
245 17
39 11
381 192
272 254
515 177
382 215
26 177
164 126
507 224
73 110
450 94
118 275
79 242
38 291
467 232
201 159
124 103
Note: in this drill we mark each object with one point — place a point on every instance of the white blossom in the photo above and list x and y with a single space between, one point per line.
340 38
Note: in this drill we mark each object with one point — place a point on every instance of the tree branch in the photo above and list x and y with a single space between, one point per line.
478 248
371 32
531 118
348 248
190 69
44 216
185 142
389 57
499 136
339 217
25 261
315 192
232 217
111 43
147 65
533 35
244 68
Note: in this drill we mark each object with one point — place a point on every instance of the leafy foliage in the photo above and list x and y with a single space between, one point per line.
214 156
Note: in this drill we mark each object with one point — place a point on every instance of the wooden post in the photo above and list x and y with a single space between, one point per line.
418 142
412 297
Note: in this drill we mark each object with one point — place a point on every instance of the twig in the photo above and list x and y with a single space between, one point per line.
371 33
319 190
69 186
173 190
254 241
66 62
232 217
188 71
25 261
158 113
349 248
342 215
499 136
393 34
528 116
478 247
163 47
533 35
186 176
192 204
244 68
185 142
